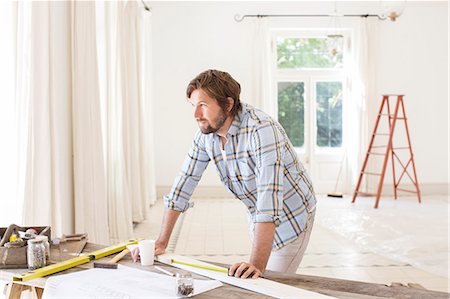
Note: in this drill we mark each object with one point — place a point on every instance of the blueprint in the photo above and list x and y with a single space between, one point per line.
124 282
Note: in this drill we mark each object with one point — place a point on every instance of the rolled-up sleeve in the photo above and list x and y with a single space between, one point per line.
184 184
268 146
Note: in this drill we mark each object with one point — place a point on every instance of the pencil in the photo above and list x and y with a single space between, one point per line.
164 271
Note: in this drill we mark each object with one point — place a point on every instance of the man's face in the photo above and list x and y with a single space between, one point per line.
207 112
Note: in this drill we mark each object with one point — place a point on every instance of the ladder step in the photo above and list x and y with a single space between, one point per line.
377 154
371 173
405 190
391 115
386 134
384 146
365 193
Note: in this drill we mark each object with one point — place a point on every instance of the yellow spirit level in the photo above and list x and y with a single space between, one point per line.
61 266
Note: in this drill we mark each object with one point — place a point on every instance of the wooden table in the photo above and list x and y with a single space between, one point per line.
339 288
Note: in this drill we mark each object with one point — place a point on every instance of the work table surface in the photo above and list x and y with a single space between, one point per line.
339 288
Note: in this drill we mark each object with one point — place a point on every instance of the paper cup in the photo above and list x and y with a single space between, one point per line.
147 252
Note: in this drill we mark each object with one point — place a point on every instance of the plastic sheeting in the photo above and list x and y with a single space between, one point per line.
402 230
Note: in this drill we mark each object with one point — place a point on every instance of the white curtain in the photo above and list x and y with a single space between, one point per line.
45 178
122 35
13 108
126 127
261 67
361 88
90 194
82 92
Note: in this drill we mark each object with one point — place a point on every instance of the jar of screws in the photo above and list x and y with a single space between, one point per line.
185 284
46 246
36 254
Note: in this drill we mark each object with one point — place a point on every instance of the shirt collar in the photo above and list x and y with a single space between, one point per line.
235 125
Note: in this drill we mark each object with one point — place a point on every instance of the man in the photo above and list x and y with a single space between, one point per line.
257 163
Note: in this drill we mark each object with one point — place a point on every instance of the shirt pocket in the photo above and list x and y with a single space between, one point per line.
241 170
242 178
245 167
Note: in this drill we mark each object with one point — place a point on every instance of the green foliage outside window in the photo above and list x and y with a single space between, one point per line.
291 110
308 53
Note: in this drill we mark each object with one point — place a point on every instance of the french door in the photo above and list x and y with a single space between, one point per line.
311 104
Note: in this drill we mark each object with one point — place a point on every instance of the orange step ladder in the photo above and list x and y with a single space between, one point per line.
391 151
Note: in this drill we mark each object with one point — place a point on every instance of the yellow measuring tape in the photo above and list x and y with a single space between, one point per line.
212 268
58 267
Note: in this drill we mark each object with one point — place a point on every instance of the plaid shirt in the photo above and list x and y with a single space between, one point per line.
261 169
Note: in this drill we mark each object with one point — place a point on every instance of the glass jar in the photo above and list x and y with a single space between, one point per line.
185 284
36 254
47 247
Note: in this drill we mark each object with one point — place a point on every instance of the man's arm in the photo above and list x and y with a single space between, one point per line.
262 244
262 247
169 219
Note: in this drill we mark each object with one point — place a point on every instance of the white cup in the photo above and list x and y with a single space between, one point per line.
147 252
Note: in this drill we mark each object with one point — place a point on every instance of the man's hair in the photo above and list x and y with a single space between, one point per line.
219 86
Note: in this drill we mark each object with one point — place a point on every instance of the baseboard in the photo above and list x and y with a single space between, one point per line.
388 190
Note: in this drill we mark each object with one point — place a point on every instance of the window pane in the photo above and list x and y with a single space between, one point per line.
310 52
291 110
329 114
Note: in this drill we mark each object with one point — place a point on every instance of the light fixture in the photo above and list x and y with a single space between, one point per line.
334 36
393 9
334 41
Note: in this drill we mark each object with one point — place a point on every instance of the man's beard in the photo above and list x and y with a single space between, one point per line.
218 124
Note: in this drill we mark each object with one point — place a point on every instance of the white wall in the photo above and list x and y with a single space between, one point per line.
189 37
413 59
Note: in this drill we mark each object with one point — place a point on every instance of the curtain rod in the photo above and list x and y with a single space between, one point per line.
239 18
145 6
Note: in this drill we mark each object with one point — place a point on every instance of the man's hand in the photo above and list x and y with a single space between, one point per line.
262 246
244 270
169 219
135 255
160 248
